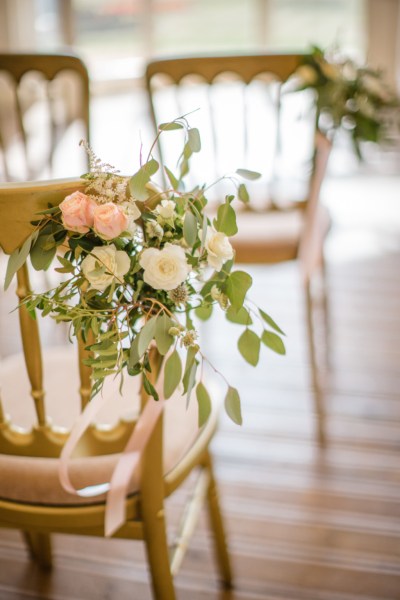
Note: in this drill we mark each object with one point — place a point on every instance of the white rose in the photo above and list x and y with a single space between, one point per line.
104 265
307 74
166 209
133 213
218 247
164 269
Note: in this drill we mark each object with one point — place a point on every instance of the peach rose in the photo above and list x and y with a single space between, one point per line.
110 220
77 212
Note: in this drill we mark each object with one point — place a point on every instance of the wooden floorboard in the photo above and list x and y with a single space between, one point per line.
303 523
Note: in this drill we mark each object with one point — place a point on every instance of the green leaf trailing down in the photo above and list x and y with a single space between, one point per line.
241 316
170 126
146 335
273 341
226 219
134 356
249 347
270 322
172 179
172 374
43 252
246 174
189 381
232 405
204 403
194 140
243 194
149 387
163 339
190 228
16 260
204 311
238 283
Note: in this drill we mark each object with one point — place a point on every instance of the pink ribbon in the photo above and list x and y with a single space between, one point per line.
128 462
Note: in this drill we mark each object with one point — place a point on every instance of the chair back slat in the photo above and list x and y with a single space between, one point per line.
241 105
51 68
31 346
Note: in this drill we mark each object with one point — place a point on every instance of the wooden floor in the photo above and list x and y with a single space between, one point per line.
304 524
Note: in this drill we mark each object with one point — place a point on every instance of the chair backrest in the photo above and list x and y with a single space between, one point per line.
19 205
41 97
247 119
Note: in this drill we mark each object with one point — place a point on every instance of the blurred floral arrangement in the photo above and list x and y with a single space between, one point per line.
139 262
348 95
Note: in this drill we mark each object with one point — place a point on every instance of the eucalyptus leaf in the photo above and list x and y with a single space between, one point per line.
149 387
226 219
170 126
190 228
137 184
204 311
16 260
249 346
194 140
232 405
273 341
172 374
238 283
247 174
204 403
243 194
146 335
172 179
241 316
163 339
270 322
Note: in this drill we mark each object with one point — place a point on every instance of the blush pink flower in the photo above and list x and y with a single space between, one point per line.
110 220
77 212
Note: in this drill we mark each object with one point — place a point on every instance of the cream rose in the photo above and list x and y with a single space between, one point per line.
104 265
77 212
166 209
164 269
132 213
218 247
109 220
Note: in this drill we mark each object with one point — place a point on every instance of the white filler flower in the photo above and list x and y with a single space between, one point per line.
133 213
166 209
104 265
218 247
164 269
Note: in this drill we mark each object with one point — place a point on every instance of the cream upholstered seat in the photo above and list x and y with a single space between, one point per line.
35 479
31 497
249 119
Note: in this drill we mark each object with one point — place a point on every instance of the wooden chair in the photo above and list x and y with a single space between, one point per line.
248 118
31 497
42 97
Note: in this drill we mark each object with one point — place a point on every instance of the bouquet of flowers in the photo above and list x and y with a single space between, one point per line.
347 95
137 262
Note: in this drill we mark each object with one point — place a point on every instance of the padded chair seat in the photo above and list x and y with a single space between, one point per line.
271 237
35 480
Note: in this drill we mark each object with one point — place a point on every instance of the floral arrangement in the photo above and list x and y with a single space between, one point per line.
347 95
138 263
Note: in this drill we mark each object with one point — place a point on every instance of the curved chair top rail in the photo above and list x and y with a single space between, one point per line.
20 203
209 67
49 64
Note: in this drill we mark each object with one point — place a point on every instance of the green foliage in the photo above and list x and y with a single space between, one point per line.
249 346
119 305
232 405
204 403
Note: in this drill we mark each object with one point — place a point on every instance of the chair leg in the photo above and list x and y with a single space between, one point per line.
326 315
158 555
315 375
39 546
217 526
